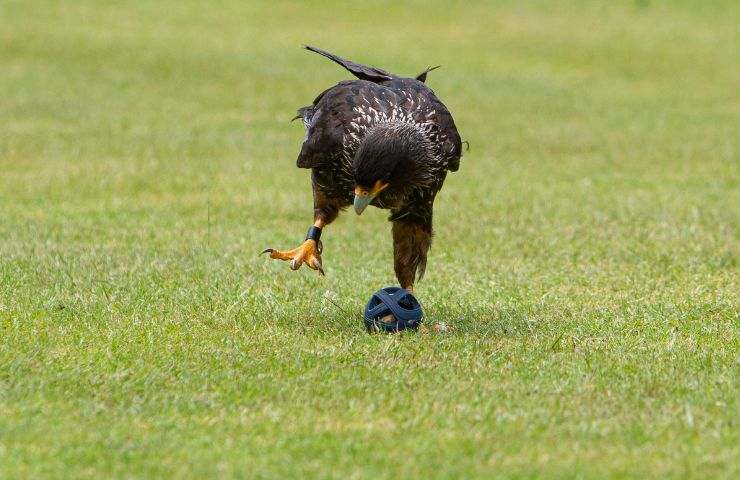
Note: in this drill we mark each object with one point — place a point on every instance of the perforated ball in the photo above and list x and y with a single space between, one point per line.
393 309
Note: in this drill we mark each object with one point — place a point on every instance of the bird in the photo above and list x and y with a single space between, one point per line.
382 140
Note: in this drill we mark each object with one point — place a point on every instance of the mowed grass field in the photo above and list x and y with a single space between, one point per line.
586 253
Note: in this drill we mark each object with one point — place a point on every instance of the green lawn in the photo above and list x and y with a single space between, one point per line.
586 253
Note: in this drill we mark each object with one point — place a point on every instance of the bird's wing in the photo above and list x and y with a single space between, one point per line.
336 120
340 116
323 137
450 144
424 108
363 72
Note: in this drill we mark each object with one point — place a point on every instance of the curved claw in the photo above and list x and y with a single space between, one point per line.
309 253
317 266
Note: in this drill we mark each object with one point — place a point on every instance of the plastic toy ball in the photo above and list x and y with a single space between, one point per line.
393 309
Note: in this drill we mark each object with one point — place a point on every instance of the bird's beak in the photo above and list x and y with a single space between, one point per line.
364 197
361 202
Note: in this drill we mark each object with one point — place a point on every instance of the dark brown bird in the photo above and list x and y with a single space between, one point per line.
381 140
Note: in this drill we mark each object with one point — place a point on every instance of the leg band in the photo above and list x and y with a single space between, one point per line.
314 233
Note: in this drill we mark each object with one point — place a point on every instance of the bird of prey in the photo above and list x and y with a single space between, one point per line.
381 140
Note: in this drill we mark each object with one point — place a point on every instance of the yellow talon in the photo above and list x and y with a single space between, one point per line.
309 253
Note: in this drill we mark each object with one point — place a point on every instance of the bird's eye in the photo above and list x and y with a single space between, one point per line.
364 194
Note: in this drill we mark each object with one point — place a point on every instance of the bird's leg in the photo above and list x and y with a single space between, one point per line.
325 211
309 252
412 237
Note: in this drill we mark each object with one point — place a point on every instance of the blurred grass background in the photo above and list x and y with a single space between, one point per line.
585 253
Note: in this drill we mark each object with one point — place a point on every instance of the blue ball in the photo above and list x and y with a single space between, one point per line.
393 309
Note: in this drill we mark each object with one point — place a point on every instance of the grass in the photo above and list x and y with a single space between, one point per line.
586 252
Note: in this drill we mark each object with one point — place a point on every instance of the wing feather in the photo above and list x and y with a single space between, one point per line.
363 72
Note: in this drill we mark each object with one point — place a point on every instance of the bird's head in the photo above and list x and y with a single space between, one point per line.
390 159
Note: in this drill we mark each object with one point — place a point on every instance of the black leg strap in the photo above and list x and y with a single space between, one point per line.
314 233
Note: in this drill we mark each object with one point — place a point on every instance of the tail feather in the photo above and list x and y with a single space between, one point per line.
363 72
422 77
